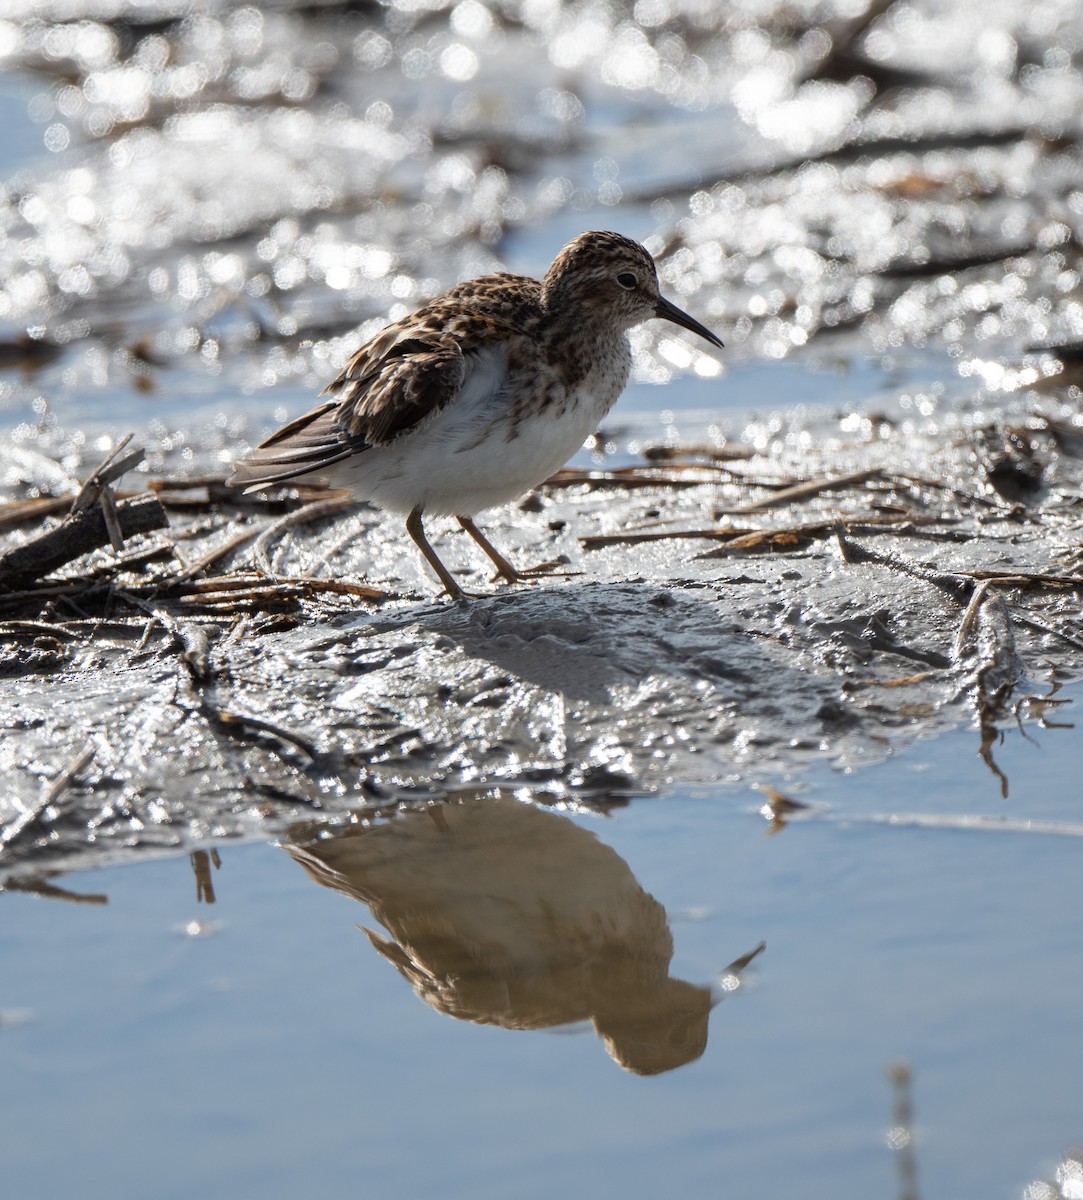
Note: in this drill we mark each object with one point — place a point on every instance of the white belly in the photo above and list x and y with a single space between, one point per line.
473 455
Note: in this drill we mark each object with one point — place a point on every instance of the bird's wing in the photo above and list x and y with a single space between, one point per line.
388 387
310 444
397 381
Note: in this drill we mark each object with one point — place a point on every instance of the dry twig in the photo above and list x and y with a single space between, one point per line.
111 467
49 796
315 511
803 491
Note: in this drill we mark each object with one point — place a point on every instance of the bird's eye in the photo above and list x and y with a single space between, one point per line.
627 280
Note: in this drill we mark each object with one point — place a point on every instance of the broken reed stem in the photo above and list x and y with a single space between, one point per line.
112 522
215 555
110 468
959 587
49 795
19 512
966 625
234 720
742 538
802 491
63 780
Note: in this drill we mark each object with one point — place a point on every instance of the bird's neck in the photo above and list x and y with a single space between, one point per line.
582 348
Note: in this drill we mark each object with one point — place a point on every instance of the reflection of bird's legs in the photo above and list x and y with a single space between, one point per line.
415 529
504 568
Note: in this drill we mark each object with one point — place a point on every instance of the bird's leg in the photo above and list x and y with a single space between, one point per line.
504 568
415 529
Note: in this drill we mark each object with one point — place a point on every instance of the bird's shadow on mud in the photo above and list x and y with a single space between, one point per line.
590 640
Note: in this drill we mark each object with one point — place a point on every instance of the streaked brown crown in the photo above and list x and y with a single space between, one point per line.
603 275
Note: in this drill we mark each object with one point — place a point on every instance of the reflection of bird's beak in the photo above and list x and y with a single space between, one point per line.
670 312
719 991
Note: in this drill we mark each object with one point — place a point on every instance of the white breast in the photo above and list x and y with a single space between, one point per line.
472 455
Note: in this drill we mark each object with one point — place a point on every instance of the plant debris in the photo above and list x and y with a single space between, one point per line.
287 651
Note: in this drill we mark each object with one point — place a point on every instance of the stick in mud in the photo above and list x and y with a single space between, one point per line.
95 519
78 536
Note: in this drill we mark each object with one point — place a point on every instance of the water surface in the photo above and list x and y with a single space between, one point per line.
261 1041
201 215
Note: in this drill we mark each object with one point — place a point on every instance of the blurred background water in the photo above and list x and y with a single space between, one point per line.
203 210
209 205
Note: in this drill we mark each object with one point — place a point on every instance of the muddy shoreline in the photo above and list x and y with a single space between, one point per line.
709 616
228 203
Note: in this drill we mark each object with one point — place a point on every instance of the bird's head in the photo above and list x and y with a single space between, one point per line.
608 277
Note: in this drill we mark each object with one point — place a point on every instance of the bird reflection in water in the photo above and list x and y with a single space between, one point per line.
505 914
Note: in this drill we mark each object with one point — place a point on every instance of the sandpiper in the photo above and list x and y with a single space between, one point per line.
478 396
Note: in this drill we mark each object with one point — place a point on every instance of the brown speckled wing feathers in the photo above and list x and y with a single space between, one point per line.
311 443
397 380
388 390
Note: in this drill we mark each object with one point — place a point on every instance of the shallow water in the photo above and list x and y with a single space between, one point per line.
200 217
154 1042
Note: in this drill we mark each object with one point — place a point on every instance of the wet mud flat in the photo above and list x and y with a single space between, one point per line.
714 613
836 565
228 202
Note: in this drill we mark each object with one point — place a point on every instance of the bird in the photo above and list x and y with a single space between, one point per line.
479 395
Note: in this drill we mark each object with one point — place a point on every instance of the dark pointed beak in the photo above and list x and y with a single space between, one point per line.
670 312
